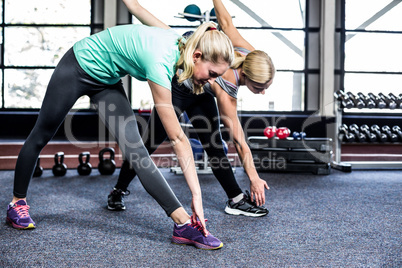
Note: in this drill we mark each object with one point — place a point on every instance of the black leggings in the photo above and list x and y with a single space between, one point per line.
69 82
203 114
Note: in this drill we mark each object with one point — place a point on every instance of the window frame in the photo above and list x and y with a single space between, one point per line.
94 27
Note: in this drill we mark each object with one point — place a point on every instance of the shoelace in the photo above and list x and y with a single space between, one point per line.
120 192
248 197
198 226
22 211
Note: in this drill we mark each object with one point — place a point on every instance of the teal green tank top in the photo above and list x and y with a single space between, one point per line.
146 53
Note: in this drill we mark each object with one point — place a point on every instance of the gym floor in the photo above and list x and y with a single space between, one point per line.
342 220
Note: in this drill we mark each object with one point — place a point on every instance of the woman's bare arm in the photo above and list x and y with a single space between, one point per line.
144 15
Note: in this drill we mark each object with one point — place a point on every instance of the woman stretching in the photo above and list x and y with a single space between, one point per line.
93 67
252 68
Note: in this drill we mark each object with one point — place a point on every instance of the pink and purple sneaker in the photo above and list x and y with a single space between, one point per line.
18 216
191 234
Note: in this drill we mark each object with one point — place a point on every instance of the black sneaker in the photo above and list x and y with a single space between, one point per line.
115 200
245 207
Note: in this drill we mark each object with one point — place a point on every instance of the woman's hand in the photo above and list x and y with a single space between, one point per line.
198 213
257 190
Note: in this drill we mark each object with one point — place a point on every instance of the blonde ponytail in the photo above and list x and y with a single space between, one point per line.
214 45
258 67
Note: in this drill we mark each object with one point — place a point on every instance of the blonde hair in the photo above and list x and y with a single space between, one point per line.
214 45
257 66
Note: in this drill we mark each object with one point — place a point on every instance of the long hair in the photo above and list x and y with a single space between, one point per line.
214 45
257 66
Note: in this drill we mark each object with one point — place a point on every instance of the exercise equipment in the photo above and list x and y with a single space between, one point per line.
59 169
299 135
358 102
389 102
290 155
196 146
377 131
212 15
365 129
397 131
192 12
201 158
84 168
392 137
282 132
397 100
106 166
369 103
345 135
38 171
379 103
343 98
269 132
360 136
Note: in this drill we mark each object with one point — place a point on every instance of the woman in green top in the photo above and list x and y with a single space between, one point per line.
94 67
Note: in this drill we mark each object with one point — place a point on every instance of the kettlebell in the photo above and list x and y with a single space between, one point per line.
84 168
38 169
106 166
59 168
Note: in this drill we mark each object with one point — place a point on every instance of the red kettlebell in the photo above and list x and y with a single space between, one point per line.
283 132
269 132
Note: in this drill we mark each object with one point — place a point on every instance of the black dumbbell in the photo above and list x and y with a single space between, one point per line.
38 171
106 166
379 103
84 168
358 103
356 131
371 137
397 100
397 130
59 168
390 103
345 101
392 137
347 136
369 103
377 131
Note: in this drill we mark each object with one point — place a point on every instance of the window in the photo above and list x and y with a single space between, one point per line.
372 49
35 35
264 25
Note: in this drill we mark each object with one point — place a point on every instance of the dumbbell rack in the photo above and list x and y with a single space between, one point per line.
345 102
290 155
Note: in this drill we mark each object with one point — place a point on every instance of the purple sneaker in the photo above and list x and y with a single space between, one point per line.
18 216
191 234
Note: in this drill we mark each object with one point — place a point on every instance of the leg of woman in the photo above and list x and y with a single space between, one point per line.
117 114
205 119
62 92
154 135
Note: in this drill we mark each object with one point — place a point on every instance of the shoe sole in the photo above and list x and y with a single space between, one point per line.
184 241
20 227
116 209
236 212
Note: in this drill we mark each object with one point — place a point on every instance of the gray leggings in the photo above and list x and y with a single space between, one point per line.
69 82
